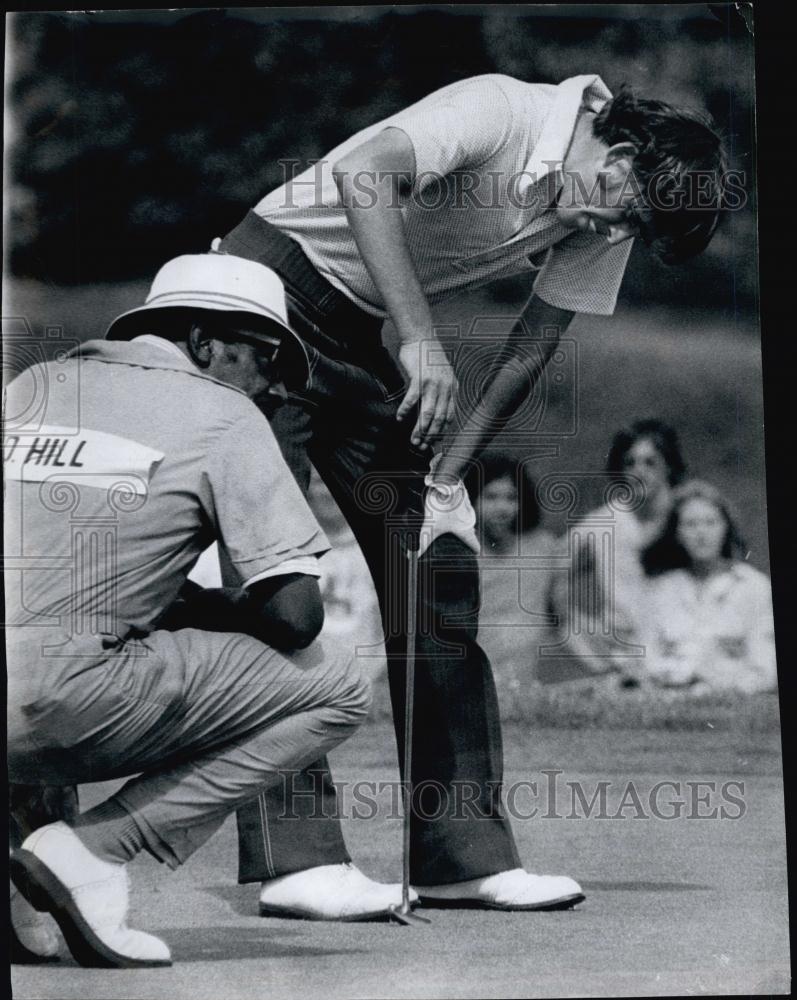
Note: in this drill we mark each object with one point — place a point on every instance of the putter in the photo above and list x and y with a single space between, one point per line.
403 914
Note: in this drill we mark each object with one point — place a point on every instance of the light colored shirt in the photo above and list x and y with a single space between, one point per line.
207 566
113 491
604 605
488 155
514 619
719 631
619 538
207 569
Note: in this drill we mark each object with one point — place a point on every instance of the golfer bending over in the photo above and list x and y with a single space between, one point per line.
486 178
104 522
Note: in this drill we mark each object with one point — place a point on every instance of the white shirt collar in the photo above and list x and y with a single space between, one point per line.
159 342
557 132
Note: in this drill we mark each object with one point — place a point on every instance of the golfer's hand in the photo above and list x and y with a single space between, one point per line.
431 383
447 510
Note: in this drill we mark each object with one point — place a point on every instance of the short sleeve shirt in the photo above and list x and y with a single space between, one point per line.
488 157
134 464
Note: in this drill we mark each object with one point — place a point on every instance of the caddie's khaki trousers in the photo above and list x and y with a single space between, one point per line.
206 720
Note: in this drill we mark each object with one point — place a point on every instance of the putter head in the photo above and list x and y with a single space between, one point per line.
404 916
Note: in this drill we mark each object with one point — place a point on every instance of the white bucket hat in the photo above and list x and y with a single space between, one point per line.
220 282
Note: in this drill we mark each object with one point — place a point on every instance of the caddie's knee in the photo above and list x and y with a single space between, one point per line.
352 691
340 684
355 692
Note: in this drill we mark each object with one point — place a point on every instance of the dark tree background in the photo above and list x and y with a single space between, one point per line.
137 136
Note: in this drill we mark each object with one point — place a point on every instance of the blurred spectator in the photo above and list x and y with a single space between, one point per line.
516 569
711 612
603 603
351 611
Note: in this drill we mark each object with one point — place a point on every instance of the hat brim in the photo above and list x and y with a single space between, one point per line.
294 359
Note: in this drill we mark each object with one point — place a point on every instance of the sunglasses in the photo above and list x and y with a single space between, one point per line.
266 351
267 354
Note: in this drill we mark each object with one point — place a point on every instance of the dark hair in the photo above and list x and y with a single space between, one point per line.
664 439
679 171
495 465
668 553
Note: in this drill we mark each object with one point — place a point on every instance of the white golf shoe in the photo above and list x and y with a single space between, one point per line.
329 892
32 940
511 890
88 898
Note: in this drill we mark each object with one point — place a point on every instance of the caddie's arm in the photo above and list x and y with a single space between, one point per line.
269 540
372 179
285 612
515 372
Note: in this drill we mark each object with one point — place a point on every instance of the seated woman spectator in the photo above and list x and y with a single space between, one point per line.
711 612
351 610
602 603
516 568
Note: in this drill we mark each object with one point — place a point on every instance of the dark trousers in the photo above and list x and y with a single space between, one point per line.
345 426
33 806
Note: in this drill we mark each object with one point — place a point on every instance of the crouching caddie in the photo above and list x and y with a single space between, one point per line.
105 517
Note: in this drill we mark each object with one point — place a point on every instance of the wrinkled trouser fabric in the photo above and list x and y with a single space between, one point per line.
345 426
205 720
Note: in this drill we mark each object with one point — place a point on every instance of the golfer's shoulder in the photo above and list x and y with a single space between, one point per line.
519 95
496 86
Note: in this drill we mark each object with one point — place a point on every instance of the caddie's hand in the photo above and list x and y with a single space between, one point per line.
447 509
432 381
214 609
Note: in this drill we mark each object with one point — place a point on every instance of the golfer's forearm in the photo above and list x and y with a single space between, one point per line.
517 370
372 179
370 189
503 396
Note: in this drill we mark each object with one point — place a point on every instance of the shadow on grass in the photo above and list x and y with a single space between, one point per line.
235 943
214 944
642 886
241 899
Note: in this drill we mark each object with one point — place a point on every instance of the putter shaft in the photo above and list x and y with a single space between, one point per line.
404 914
409 705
